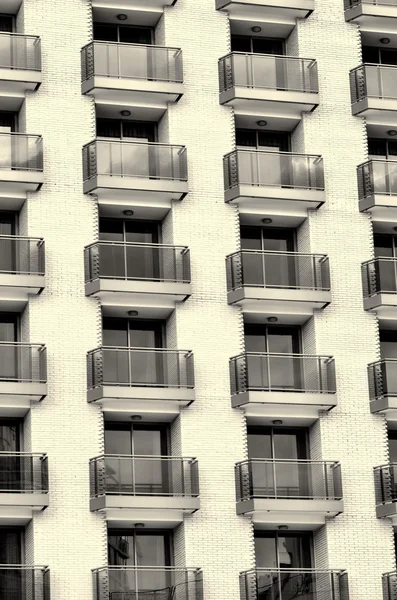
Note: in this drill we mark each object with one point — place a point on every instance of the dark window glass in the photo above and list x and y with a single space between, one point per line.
122 33
117 128
6 23
257 45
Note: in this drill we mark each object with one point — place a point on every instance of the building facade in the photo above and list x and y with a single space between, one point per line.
198 299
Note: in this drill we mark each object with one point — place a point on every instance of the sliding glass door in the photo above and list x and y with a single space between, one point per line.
11 580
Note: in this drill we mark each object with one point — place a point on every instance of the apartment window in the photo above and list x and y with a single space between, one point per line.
275 339
11 546
131 547
108 32
382 148
272 141
283 551
140 364
379 56
144 476
6 23
388 344
141 131
257 45
277 442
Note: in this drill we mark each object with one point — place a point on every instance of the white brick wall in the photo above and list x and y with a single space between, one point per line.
66 536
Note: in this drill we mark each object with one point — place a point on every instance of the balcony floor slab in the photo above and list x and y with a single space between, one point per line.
18 396
299 304
372 17
293 401
141 400
377 111
275 103
154 296
15 82
383 304
19 509
303 514
156 511
386 405
387 510
383 207
16 289
131 190
253 199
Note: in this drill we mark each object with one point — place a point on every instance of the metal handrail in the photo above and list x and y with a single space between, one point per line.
145 457
143 349
382 360
135 245
22 237
146 568
133 142
378 258
128 45
277 252
392 160
288 461
37 454
23 344
291 570
311 61
282 355
261 151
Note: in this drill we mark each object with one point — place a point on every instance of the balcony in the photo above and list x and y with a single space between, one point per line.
372 15
374 93
382 382
23 486
274 183
23 377
156 490
21 271
377 189
389 585
148 381
20 68
277 86
147 583
301 493
147 78
24 582
154 276
379 277
21 168
290 285
143 176
294 583
294 387
278 14
386 491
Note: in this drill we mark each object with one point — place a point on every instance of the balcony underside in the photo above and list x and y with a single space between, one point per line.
298 305
383 304
150 402
156 297
149 198
153 511
299 514
15 186
295 408
19 509
383 207
16 289
272 200
148 98
279 14
381 18
16 398
13 85
377 111
273 103
10 6
387 510
139 12
386 405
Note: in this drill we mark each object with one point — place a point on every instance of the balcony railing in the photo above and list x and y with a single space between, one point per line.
377 177
23 363
131 61
389 584
287 270
379 275
134 159
373 81
299 479
140 367
24 473
255 371
22 582
285 584
22 52
21 152
264 71
261 168
147 583
128 261
382 378
385 484
21 255
144 476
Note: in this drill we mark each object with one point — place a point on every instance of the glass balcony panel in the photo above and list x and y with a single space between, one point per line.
379 276
19 52
21 152
21 255
22 362
23 473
